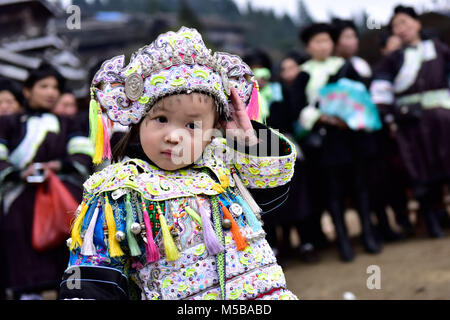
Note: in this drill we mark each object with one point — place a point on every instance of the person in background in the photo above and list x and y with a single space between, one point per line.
389 43
290 67
345 37
411 90
390 177
346 45
334 157
58 145
11 97
66 105
299 201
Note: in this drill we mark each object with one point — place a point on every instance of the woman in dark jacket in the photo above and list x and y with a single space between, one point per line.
59 145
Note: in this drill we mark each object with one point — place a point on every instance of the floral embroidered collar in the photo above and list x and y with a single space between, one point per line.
154 183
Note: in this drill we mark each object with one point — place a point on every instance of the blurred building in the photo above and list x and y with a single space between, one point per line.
28 36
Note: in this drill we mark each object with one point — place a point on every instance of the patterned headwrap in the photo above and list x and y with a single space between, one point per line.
175 63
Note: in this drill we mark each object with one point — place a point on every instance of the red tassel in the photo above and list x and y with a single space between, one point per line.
241 242
151 250
253 105
107 154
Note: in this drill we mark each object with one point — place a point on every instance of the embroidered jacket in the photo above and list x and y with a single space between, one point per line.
194 233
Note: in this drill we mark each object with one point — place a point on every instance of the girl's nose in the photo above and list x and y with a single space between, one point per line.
173 137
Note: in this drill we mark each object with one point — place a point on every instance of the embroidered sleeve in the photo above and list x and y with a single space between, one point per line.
268 164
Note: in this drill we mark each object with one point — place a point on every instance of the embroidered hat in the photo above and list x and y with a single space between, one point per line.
175 63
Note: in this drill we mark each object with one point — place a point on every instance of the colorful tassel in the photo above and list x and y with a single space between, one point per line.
246 196
114 246
241 242
151 250
253 106
98 155
132 243
88 247
194 215
170 248
76 227
93 111
107 154
212 244
251 218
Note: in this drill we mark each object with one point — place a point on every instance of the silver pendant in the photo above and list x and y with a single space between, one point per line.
236 209
134 86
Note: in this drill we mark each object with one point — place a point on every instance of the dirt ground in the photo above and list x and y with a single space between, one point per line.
414 268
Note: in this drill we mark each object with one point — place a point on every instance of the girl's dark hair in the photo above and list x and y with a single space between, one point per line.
402 9
258 57
45 70
310 31
14 88
339 25
128 145
298 57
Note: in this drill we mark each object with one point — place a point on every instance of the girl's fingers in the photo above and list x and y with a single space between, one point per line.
236 101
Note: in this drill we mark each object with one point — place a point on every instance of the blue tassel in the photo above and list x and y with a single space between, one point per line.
252 220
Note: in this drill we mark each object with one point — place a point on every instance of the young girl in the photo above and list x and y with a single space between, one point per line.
177 222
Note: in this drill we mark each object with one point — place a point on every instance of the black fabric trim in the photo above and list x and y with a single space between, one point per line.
99 283
269 199
264 147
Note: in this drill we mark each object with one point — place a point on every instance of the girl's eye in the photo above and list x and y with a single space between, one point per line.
191 125
161 119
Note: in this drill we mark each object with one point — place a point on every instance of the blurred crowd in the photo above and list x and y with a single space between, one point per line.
404 166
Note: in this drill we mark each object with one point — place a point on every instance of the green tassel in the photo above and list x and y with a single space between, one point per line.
194 215
93 111
132 243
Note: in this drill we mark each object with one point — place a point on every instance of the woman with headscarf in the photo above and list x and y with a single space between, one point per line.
58 145
411 90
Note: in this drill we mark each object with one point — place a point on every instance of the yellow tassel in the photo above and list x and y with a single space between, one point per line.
114 246
170 249
76 227
98 156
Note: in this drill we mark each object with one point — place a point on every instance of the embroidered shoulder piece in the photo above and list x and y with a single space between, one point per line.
156 184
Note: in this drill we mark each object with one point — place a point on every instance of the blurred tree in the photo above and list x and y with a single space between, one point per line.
303 14
187 17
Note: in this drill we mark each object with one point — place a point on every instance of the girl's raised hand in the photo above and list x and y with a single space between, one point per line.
239 127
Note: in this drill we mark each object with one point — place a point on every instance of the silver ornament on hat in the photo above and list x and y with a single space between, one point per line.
69 242
176 59
146 71
187 58
165 60
134 86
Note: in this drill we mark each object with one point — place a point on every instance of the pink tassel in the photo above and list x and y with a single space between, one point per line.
253 105
212 244
151 250
107 154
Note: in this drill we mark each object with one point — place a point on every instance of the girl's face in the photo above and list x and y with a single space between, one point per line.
8 103
66 105
406 27
320 46
347 44
43 94
289 70
177 129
